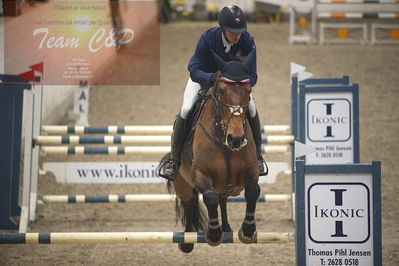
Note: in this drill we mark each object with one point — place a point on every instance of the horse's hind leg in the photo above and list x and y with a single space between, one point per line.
192 218
188 214
223 209
247 233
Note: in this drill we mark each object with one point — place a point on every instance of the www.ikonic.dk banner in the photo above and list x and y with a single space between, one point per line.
101 42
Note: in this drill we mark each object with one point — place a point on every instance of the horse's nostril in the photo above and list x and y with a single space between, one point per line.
234 142
237 142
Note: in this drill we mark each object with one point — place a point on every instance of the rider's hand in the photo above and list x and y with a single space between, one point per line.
213 78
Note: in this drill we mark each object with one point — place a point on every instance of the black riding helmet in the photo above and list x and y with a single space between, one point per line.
233 19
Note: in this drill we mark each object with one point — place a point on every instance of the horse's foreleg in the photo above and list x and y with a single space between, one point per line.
214 234
223 209
247 233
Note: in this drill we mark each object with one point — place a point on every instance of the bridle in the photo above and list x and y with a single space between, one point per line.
235 110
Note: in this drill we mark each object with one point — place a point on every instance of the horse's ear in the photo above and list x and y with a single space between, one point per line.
250 58
220 62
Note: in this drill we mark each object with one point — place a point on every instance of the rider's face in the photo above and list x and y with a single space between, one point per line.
233 38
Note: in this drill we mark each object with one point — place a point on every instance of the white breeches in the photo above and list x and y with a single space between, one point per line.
191 95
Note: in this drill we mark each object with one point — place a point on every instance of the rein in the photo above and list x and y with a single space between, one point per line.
235 110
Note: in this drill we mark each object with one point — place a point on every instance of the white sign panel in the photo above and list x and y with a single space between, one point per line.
329 127
127 172
338 220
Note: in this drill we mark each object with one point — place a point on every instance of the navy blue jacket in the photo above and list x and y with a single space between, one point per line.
202 64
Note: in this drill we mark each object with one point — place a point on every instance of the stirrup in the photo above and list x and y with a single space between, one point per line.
169 170
263 169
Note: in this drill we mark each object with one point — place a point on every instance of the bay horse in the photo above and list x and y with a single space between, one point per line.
223 161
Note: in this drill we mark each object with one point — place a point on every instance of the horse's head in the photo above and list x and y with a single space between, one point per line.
231 96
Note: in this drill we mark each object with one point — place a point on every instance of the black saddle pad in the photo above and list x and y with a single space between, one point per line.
192 119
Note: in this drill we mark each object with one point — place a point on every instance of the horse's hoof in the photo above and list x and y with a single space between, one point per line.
186 248
247 240
214 243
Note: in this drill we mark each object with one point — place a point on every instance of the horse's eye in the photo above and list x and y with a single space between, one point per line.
221 92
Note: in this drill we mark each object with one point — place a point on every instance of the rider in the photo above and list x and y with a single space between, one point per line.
230 41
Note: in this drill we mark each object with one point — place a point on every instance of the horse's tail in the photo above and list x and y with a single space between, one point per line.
189 213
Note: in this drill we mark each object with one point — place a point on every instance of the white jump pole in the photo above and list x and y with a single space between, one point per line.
137 198
119 150
136 139
134 238
139 130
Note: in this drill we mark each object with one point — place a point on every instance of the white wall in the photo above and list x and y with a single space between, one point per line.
57 100
246 5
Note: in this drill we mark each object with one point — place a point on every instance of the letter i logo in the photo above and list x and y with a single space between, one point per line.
329 112
339 230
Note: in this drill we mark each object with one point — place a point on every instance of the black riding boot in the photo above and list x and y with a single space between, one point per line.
171 166
256 132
